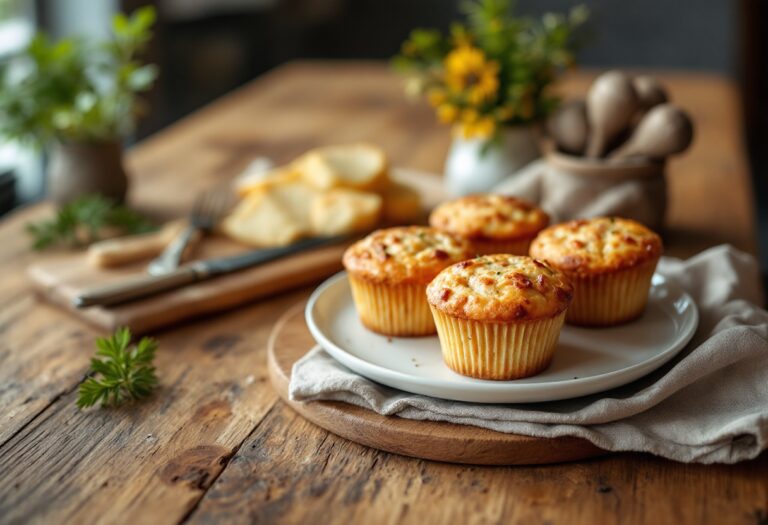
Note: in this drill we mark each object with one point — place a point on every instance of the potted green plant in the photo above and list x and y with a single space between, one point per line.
489 79
79 99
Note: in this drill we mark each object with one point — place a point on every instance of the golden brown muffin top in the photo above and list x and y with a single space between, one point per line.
489 217
593 246
500 288
404 255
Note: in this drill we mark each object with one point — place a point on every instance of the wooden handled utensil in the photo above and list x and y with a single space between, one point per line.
209 207
664 130
133 288
119 251
568 126
611 105
649 91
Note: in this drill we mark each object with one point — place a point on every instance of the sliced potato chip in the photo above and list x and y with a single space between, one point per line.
262 220
342 211
260 181
354 166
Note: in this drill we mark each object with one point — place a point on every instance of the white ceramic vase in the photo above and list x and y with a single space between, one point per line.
474 165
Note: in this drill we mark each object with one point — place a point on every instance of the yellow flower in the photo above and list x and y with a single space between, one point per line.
436 97
481 128
468 71
485 127
469 116
447 113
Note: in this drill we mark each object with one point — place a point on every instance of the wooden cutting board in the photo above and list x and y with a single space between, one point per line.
433 440
59 278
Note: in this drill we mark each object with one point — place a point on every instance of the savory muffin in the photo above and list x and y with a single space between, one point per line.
610 262
389 271
499 316
491 223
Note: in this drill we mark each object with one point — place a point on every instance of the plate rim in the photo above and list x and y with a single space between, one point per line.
480 386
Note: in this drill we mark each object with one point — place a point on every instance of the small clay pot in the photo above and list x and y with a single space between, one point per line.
78 168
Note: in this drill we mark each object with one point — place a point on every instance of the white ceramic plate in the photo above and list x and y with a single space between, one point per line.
587 360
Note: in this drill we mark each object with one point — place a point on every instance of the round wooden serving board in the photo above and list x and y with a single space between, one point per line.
437 441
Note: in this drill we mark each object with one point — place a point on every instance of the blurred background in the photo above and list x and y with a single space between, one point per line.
205 48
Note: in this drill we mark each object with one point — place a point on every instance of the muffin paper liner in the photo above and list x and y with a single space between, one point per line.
499 351
399 310
610 299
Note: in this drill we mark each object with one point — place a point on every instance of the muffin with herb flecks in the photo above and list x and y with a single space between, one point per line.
610 262
491 223
389 271
499 316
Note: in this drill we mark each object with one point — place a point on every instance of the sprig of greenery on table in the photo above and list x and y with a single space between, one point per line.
76 90
120 372
85 220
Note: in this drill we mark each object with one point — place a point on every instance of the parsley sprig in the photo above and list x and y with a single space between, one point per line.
123 373
85 220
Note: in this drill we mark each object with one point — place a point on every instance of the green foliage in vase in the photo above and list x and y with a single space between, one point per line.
76 90
493 70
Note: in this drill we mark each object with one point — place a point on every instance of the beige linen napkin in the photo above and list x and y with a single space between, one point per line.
709 405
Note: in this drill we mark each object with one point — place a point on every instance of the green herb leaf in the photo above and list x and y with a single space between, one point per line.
84 220
119 372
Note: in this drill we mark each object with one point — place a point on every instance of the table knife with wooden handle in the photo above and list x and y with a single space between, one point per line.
147 285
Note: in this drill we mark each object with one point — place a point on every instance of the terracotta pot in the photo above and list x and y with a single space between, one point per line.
474 165
77 169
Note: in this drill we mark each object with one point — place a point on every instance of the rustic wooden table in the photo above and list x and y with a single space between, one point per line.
215 444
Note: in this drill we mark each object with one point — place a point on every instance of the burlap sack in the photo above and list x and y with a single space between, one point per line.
573 187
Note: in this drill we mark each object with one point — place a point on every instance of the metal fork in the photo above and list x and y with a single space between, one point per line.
207 210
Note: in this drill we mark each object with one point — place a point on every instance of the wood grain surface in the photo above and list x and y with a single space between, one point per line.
216 445
437 441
